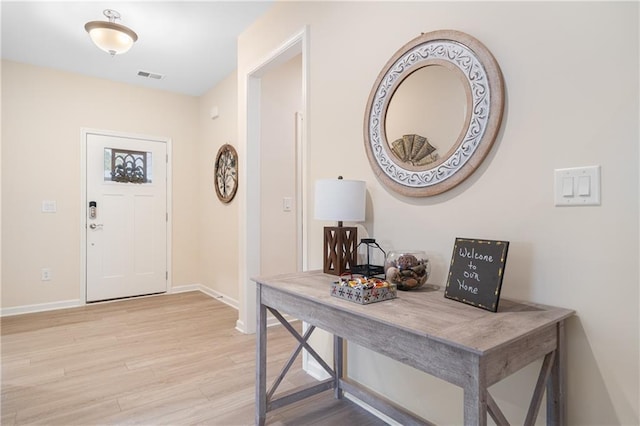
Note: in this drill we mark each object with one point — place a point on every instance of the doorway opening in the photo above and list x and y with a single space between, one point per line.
250 214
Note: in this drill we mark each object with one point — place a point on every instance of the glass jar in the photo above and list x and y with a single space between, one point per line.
407 269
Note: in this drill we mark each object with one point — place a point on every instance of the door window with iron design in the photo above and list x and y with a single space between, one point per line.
126 166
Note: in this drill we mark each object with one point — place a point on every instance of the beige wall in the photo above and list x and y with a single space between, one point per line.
571 75
281 98
218 231
43 111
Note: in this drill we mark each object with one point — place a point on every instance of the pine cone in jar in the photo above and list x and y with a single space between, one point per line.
407 261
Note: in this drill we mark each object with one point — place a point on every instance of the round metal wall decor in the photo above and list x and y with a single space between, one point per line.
226 173
410 164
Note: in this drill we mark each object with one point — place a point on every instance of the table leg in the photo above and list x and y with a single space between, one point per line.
475 407
338 364
261 359
555 383
475 398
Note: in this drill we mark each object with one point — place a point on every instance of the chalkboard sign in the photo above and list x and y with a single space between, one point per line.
476 271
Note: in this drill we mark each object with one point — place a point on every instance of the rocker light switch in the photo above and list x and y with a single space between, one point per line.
584 186
579 186
567 186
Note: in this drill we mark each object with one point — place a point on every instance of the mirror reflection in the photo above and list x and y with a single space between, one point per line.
426 116
433 113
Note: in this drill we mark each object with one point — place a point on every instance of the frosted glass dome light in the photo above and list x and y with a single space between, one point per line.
111 37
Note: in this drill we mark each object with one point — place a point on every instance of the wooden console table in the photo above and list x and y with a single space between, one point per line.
466 346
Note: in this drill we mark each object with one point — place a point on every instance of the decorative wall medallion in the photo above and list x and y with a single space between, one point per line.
226 173
417 170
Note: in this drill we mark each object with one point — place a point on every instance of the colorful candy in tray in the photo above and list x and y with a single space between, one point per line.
362 290
362 282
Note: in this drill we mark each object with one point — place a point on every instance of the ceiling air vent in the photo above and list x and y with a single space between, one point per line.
148 74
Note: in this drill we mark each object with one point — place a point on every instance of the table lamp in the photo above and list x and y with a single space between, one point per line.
340 200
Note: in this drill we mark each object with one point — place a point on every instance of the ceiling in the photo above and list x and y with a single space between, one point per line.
192 44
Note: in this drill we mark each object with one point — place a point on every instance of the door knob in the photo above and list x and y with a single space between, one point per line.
95 226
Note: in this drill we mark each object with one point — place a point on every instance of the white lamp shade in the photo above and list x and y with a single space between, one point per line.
111 37
340 200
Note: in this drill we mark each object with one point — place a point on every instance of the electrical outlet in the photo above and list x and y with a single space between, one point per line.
49 206
45 274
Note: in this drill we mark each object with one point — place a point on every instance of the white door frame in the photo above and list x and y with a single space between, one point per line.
249 209
83 200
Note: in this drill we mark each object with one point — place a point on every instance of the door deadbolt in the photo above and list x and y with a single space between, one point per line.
93 210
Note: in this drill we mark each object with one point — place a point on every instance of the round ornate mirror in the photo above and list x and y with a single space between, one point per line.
433 113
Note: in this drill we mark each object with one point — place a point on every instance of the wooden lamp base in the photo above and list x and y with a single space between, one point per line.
340 253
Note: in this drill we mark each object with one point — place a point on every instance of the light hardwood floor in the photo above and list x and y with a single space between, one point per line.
171 359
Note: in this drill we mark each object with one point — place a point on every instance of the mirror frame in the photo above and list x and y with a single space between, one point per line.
485 105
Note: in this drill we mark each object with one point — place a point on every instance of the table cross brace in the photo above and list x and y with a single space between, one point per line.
536 400
495 412
288 364
302 343
543 378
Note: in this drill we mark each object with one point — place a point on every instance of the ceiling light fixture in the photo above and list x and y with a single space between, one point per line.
113 38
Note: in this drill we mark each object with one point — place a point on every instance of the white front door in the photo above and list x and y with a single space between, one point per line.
126 235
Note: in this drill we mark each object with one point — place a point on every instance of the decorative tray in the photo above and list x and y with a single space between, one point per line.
363 290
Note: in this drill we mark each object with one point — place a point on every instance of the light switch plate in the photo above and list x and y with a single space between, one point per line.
584 185
287 204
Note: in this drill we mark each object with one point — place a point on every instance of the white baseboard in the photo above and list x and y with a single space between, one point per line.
312 368
185 288
41 307
65 304
241 327
271 321
209 292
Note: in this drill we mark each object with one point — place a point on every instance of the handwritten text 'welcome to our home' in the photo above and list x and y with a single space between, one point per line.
471 273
